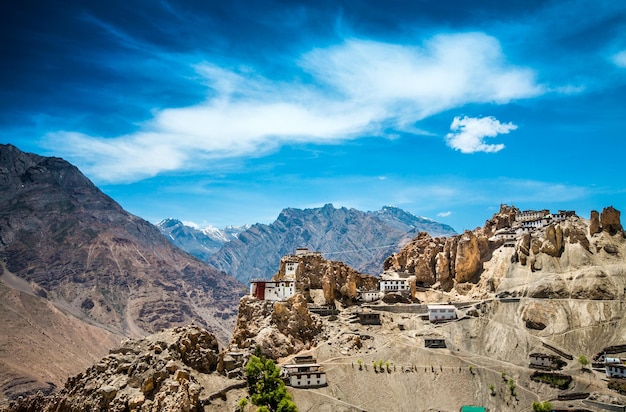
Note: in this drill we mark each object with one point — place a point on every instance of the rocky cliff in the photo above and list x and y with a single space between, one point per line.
165 371
465 262
360 239
337 280
70 244
280 329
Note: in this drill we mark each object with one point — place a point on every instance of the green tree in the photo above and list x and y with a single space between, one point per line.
582 359
360 363
471 369
266 387
492 389
512 387
542 406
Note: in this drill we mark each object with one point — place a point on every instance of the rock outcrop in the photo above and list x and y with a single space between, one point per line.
548 244
159 373
337 280
468 263
279 329
610 221
594 223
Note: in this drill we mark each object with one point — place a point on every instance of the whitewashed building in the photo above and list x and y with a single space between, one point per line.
274 290
304 375
615 370
528 215
290 270
393 285
370 295
541 360
439 313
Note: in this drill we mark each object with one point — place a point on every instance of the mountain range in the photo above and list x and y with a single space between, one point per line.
200 242
361 239
75 264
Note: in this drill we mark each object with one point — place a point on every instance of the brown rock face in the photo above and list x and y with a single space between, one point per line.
553 243
610 220
594 223
468 264
338 280
157 373
292 318
277 328
503 219
419 257
578 236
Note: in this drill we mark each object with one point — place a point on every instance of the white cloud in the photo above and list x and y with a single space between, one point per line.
191 224
358 88
444 214
468 134
619 59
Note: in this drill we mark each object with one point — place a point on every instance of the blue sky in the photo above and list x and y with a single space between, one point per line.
227 112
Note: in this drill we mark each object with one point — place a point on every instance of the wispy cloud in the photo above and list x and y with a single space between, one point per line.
444 214
358 88
619 59
468 134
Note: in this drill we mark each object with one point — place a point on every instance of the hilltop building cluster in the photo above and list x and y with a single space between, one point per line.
527 221
285 288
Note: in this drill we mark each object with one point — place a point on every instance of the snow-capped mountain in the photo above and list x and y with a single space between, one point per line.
200 242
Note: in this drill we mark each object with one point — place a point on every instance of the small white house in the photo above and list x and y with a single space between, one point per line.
274 290
541 360
370 295
615 370
290 270
393 285
439 313
304 375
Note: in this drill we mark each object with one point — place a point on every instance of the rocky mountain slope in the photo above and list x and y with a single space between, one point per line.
64 241
200 242
360 239
168 371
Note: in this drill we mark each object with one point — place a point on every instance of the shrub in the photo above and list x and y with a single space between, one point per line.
544 406
618 385
555 380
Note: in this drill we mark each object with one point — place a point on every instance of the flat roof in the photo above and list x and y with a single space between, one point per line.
300 365
441 307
